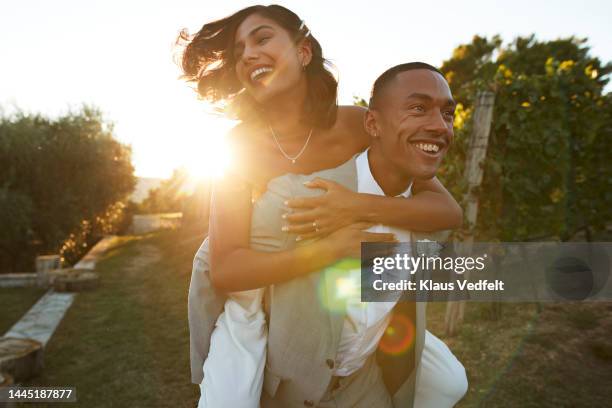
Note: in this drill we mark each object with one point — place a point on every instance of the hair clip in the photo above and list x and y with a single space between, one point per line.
302 26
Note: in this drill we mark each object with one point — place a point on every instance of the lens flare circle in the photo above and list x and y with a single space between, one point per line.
398 337
338 283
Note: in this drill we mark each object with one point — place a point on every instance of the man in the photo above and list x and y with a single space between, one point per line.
410 118
411 122
318 357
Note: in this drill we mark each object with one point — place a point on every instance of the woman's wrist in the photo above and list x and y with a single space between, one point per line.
328 250
362 208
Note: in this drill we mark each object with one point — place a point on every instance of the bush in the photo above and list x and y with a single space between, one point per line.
70 175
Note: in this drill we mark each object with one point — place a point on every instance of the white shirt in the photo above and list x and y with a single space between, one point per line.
365 322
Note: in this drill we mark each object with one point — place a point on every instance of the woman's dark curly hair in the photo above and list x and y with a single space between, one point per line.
208 60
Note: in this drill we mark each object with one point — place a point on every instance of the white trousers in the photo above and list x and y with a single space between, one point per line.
442 381
234 368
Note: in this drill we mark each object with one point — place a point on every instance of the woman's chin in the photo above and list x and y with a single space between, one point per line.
262 96
270 94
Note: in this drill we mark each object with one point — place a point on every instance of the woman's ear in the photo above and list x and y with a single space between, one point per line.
305 52
370 123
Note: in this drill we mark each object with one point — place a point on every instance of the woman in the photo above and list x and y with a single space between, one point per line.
265 63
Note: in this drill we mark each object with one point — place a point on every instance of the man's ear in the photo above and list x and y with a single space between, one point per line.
370 122
305 51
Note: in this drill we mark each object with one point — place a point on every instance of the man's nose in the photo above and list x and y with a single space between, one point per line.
436 123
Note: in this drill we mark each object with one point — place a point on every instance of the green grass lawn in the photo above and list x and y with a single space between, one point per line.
14 303
558 357
126 344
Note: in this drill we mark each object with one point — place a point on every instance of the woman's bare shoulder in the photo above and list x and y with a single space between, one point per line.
351 114
248 146
350 122
239 134
244 137
240 145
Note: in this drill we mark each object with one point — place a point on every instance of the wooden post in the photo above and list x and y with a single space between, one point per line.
21 359
45 264
6 381
476 154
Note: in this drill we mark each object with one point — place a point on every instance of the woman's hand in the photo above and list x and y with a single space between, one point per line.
346 242
324 214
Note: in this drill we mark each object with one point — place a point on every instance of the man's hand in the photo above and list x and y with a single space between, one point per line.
322 215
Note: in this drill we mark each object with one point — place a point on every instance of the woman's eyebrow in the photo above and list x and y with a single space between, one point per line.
253 32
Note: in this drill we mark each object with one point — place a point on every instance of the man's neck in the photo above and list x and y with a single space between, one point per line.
390 179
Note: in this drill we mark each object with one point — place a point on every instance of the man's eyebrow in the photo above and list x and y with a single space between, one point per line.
254 31
417 95
425 97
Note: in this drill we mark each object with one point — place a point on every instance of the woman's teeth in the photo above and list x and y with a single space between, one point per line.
260 71
428 147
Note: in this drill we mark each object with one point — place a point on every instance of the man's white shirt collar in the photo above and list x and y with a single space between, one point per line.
366 183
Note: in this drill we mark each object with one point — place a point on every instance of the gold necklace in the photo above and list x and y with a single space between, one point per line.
297 156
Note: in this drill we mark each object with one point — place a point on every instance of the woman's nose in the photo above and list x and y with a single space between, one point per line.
249 54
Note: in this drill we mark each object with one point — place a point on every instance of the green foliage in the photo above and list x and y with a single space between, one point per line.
168 197
546 171
358 101
16 214
180 193
68 175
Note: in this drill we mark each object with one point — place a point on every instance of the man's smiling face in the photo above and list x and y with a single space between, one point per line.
413 122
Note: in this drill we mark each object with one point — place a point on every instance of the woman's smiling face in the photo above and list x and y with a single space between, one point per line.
268 62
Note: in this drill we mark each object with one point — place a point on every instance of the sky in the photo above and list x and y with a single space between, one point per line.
118 55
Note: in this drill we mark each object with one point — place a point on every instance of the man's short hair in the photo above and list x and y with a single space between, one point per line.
391 73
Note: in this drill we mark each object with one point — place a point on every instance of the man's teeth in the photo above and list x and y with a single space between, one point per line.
260 71
428 147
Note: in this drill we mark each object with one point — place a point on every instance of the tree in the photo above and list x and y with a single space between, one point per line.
168 197
546 172
16 213
180 193
72 173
